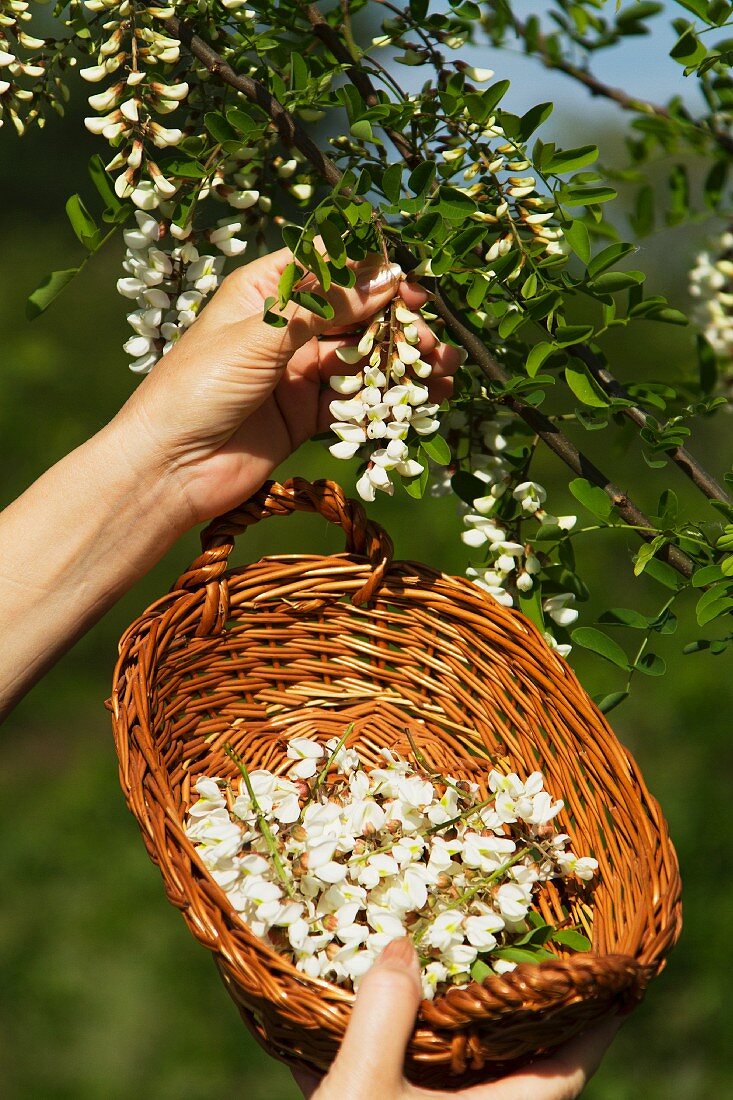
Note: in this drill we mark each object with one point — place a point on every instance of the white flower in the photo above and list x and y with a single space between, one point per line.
445 931
307 753
512 901
557 608
480 930
583 867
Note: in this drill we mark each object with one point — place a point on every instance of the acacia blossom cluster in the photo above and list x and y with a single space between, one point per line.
169 283
385 400
711 285
511 566
15 99
329 873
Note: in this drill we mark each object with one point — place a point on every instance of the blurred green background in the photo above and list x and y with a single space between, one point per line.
103 992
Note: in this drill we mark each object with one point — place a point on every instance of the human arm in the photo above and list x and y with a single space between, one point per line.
199 435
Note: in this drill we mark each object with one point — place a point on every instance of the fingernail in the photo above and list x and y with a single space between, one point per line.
399 951
463 356
374 279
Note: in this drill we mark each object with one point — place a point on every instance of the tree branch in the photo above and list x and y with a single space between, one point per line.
597 87
293 134
360 79
689 465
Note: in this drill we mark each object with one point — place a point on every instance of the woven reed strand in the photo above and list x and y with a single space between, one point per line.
307 644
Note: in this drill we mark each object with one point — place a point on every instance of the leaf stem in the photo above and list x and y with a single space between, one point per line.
261 821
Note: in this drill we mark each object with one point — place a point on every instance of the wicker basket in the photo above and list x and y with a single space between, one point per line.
307 644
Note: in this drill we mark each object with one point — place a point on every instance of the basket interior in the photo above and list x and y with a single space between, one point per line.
475 684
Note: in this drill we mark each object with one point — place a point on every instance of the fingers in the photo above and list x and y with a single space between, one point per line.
369 1063
562 1076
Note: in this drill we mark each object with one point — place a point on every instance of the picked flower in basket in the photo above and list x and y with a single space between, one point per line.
324 753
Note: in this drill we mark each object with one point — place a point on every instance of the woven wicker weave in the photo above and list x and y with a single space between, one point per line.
308 644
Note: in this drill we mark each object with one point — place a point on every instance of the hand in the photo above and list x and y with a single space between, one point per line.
192 419
369 1063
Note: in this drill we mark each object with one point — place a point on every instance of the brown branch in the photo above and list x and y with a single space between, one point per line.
551 435
598 88
689 465
290 131
360 79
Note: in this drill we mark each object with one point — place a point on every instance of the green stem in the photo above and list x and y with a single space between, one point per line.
262 821
325 769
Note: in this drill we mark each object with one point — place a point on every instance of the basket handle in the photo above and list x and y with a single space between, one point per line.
363 537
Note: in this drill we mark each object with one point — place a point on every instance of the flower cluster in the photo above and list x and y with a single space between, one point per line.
139 60
385 401
711 284
328 873
14 41
168 284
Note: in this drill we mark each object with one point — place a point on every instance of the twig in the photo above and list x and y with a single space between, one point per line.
261 821
689 465
598 88
360 79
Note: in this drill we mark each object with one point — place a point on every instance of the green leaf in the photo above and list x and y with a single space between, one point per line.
646 554
664 574
587 196
679 195
392 182
608 257
454 205
416 486
706 574
607 703
592 497
243 122
578 238
643 217
699 8
707 362
714 184
568 160
597 642
533 118
288 279
50 288
713 610
651 665
105 188
186 169
466 486
612 281
421 178
625 616
667 315
688 50
334 243
220 129
480 971
275 320
565 335
522 954
437 448
83 224
570 937
530 604
585 388
315 303
537 356
362 130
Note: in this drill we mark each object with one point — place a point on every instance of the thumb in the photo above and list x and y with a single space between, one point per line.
369 1063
